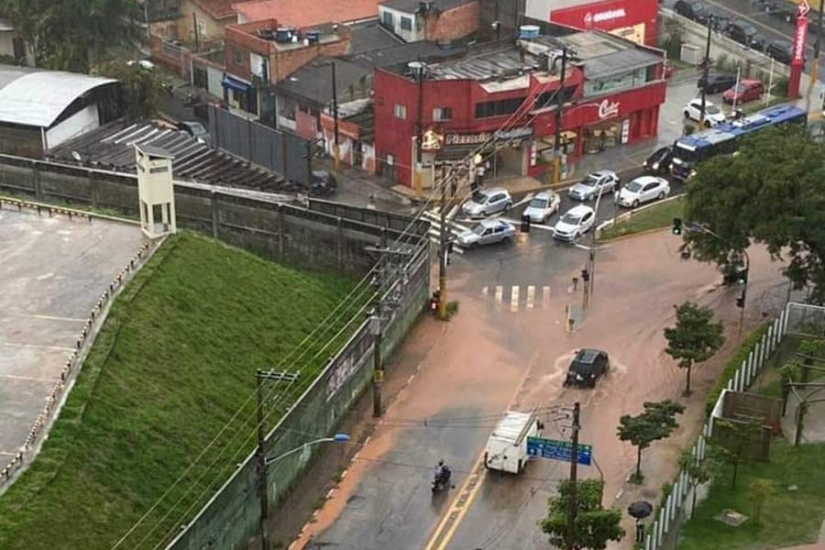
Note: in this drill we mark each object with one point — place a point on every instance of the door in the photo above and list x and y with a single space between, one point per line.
649 191
587 221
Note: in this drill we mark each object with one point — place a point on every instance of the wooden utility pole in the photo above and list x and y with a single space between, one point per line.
442 254
574 463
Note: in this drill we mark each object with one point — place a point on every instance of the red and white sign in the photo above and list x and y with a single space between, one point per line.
608 109
804 8
605 15
591 18
799 40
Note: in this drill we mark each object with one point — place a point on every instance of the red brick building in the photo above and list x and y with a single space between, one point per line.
502 100
442 21
631 19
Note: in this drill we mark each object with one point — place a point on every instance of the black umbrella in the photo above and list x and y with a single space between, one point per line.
640 509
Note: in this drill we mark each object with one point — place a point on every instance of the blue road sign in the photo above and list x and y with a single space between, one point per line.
558 450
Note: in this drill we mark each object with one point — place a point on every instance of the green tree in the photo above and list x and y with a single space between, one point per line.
594 525
759 491
694 339
141 89
72 35
731 443
698 471
657 421
770 192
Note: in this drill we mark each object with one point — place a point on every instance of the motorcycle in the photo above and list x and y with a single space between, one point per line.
441 482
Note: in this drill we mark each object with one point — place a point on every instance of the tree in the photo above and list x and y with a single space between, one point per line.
694 339
698 471
770 193
731 443
656 422
759 492
595 525
72 35
140 89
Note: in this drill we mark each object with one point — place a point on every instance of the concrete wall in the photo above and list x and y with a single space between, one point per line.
281 232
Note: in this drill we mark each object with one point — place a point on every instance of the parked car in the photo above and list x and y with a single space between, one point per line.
783 9
485 202
542 206
659 162
746 90
574 223
194 129
716 82
604 181
744 33
692 9
782 51
487 232
586 367
713 115
641 190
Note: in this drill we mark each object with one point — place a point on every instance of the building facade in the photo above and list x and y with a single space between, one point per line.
611 96
442 21
631 19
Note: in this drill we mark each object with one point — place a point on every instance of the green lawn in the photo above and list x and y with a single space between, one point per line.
788 517
655 217
175 359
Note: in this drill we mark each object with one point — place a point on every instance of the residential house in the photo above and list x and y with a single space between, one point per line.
204 21
443 21
12 46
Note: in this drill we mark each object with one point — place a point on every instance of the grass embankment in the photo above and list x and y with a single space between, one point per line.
173 363
789 517
656 217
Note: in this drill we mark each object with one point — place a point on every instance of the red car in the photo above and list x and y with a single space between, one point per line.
747 90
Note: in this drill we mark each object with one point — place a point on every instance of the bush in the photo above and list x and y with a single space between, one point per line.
780 87
747 345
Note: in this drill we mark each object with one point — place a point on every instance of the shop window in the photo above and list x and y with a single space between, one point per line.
498 108
441 114
625 81
400 111
406 23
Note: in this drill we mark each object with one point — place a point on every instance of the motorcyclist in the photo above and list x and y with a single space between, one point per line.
439 470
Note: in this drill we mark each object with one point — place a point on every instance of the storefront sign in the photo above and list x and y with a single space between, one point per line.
602 16
799 40
432 141
483 137
608 109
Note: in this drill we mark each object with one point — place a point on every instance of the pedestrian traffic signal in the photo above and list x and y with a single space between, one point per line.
585 275
677 226
740 300
525 223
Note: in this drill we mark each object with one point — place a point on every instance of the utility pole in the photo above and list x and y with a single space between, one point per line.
376 329
263 483
197 35
556 176
443 250
705 72
336 148
815 66
419 124
574 463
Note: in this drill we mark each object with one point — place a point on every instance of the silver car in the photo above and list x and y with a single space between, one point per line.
604 181
485 202
542 206
487 232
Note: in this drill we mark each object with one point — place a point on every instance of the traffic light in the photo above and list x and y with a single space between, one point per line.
742 277
677 226
525 223
585 275
740 300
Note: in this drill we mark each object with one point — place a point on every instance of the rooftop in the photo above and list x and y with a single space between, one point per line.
506 61
313 81
370 36
33 97
272 34
112 147
412 6
303 13
402 54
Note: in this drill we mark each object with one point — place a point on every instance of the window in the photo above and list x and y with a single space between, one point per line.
158 169
400 111
624 81
498 108
386 19
442 113
406 23
236 56
550 99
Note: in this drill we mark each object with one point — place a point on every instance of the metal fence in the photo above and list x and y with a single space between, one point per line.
806 320
673 512
276 150
231 516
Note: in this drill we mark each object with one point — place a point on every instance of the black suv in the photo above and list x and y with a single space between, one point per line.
783 9
716 83
693 10
744 33
660 161
781 51
586 367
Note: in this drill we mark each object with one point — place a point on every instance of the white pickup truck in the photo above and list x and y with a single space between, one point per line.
506 449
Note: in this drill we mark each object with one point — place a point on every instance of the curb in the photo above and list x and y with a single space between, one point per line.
631 235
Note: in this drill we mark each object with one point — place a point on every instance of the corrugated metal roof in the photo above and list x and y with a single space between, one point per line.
39 98
511 426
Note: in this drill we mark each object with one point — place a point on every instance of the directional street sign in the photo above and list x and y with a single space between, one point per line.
553 449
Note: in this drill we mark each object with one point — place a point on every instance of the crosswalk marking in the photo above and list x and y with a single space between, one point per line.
516 296
434 217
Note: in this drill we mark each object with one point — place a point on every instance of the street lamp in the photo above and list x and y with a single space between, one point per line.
336 148
264 462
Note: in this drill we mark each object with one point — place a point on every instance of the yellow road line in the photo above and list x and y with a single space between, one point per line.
445 531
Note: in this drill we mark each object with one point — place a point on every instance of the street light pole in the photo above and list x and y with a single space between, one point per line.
336 148
592 260
706 72
815 66
556 175
574 461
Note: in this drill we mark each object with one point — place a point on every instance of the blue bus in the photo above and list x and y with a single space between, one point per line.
690 150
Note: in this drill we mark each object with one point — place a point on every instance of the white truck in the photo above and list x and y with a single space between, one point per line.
506 449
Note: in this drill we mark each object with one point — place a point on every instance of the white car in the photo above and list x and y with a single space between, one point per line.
643 189
485 202
543 205
487 232
713 115
574 223
604 181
